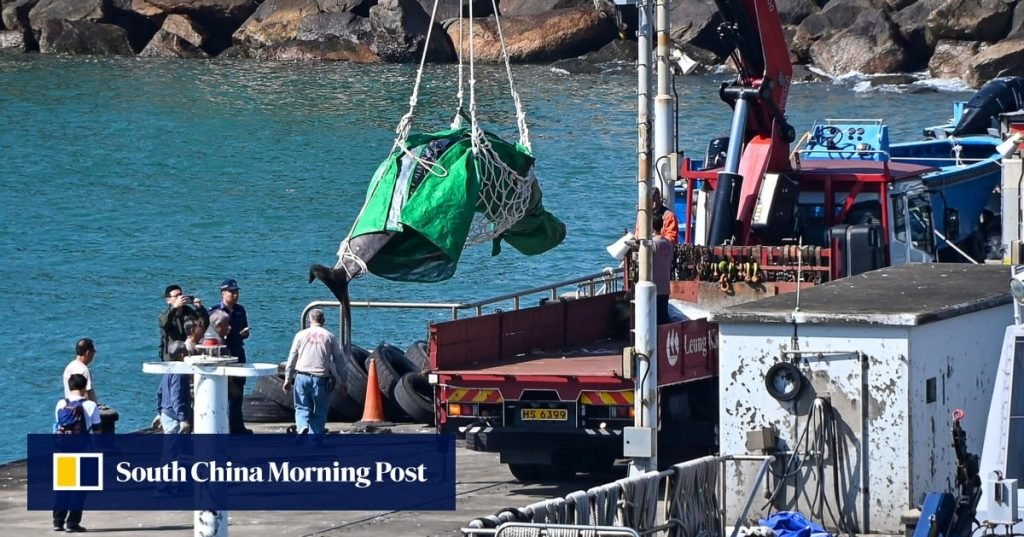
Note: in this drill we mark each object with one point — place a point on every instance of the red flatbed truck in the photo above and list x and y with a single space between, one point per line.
549 389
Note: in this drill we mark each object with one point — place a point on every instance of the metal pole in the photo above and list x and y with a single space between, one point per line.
664 108
211 417
644 300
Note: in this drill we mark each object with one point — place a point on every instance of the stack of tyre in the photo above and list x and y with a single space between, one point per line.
401 379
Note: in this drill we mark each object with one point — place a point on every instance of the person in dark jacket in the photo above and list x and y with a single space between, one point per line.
180 309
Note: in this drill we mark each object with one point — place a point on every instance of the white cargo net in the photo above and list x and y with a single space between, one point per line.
504 194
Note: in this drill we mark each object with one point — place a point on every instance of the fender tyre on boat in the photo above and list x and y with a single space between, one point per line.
262 410
418 356
416 397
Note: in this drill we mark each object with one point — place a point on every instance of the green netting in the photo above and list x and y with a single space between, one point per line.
423 205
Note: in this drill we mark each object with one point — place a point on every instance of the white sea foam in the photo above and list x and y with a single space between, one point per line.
559 71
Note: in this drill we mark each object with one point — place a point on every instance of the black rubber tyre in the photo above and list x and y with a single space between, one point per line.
387 379
355 376
418 355
416 397
343 408
527 473
262 410
387 374
269 387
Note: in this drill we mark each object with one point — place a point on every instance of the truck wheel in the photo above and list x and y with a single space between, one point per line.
529 473
525 472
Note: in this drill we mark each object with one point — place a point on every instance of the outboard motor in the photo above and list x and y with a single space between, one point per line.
999 95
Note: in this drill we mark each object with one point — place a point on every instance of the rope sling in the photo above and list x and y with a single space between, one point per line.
438 192
505 194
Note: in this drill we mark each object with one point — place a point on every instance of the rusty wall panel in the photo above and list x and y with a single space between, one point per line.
464 343
541 327
590 319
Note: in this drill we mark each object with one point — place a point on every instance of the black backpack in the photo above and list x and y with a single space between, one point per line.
71 418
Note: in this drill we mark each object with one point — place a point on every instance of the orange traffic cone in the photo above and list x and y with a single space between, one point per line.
373 408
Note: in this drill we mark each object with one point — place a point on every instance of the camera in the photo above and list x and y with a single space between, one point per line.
190 299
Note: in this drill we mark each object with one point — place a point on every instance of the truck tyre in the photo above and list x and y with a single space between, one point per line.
262 410
526 473
416 397
531 473
417 354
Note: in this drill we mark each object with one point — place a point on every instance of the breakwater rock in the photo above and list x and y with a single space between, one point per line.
974 40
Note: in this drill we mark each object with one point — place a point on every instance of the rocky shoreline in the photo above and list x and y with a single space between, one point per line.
974 40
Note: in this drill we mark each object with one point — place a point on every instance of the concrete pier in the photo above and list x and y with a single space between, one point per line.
483 487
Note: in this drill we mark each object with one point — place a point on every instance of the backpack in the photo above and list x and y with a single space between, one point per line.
71 418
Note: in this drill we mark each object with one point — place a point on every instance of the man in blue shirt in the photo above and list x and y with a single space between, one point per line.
235 342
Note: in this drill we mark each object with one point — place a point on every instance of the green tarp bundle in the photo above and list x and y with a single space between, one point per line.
422 213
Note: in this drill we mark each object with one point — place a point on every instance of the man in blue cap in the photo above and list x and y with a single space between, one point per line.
235 342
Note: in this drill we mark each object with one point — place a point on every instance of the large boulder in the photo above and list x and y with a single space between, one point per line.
525 8
450 9
220 18
83 37
795 11
275 22
871 44
1001 59
952 58
399 30
912 21
695 26
13 40
328 26
970 20
558 34
208 12
1016 30
15 14
836 16
179 37
331 50
66 10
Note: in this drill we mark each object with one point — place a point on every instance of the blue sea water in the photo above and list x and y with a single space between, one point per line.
120 176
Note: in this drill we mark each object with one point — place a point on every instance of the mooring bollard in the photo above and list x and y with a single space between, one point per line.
210 408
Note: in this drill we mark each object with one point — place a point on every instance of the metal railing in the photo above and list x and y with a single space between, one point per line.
629 504
607 281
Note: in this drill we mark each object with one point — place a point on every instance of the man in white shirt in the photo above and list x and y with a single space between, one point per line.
68 516
314 363
85 352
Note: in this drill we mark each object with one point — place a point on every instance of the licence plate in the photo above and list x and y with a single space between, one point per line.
545 414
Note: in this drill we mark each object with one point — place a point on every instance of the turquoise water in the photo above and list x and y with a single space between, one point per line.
120 176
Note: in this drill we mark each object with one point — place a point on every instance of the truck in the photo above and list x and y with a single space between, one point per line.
550 387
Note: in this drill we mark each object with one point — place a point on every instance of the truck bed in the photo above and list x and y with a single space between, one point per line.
596 361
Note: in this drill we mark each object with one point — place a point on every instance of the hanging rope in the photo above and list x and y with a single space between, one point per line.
504 193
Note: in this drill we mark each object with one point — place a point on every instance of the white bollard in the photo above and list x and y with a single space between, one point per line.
210 409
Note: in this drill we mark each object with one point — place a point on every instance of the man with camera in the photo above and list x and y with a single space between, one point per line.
180 308
313 367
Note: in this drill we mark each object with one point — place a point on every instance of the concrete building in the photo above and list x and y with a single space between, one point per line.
853 389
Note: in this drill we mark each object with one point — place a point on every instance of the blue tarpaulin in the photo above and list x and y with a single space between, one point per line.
793 524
